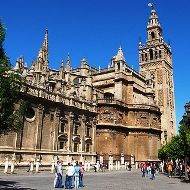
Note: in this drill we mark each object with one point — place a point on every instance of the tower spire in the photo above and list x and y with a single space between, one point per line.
120 56
68 63
154 30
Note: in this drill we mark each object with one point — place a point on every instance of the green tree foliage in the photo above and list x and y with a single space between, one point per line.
11 106
184 132
179 146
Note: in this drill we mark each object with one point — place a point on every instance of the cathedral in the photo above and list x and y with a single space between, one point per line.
88 114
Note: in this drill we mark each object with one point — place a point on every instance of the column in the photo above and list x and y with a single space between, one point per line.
82 133
39 127
56 129
70 130
94 135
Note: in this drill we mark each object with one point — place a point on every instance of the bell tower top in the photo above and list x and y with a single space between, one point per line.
154 29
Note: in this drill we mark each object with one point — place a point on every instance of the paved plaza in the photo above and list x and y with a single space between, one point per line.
114 180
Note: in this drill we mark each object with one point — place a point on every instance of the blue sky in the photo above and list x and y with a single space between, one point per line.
95 29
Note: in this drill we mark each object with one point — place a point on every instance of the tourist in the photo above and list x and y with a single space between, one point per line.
153 171
76 174
58 175
81 174
170 166
69 176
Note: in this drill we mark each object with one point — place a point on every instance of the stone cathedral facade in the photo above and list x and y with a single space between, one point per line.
88 114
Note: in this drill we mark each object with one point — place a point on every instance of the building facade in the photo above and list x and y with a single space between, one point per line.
88 114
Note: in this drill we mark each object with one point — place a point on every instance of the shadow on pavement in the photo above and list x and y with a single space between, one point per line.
12 185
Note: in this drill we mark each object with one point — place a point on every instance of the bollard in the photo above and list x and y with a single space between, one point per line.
52 166
13 165
88 166
32 165
118 165
85 166
37 165
6 165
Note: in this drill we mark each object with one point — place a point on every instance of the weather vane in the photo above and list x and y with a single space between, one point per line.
151 5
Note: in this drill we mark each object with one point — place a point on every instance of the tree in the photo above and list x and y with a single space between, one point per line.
11 106
178 147
184 132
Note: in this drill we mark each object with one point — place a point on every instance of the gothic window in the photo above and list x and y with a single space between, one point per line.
87 147
152 35
62 127
75 149
151 54
75 131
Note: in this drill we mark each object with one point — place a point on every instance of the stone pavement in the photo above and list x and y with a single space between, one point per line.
114 180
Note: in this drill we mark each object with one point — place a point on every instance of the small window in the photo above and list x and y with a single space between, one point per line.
51 117
156 54
75 147
87 147
151 54
118 66
62 145
152 35
75 131
30 113
160 53
62 128
146 58
142 57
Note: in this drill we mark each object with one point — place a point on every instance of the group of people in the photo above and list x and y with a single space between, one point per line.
148 169
170 167
173 168
74 175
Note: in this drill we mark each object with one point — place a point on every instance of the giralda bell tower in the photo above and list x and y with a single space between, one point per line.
155 60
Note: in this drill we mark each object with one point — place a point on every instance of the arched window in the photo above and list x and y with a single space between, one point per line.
151 54
152 35
142 57
108 96
156 54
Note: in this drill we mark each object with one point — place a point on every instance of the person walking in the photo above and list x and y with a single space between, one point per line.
81 174
170 166
153 171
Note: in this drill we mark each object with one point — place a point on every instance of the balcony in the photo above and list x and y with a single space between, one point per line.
114 101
